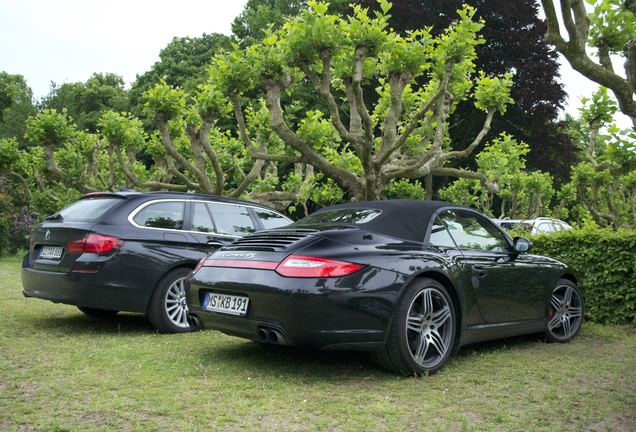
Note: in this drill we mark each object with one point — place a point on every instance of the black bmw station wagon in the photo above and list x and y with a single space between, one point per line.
131 251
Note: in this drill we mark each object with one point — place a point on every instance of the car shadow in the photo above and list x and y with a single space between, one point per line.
78 324
317 365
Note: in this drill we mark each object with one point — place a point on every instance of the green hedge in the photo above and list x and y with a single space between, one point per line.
605 262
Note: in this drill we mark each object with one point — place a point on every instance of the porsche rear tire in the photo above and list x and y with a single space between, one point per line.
422 334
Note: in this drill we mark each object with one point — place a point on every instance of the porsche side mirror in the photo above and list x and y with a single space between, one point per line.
521 244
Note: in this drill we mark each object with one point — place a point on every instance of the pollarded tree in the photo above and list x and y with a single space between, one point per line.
604 182
521 194
61 157
405 134
190 151
610 29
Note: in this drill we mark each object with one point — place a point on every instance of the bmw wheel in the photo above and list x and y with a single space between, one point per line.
422 334
168 310
565 312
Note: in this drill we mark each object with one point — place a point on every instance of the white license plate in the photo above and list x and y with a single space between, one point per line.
51 252
227 304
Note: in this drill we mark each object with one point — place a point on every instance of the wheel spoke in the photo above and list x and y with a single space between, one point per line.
441 316
422 349
173 314
555 302
567 297
574 312
566 326
427 302
437 341
554 322
184 318
171 308
173 294
414 323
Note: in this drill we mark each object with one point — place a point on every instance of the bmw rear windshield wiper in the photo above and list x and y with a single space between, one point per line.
56 216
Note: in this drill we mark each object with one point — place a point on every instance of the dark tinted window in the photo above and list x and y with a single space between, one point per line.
348 216
440 236
473 232
201 220
271 219
166 214
232 219
88 209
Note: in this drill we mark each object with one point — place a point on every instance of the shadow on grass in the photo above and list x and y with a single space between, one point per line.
316 365
80 324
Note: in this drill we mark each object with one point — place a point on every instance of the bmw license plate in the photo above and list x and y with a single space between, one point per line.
51 252
227 304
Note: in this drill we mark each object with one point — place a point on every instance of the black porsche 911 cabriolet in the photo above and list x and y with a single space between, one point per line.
411 281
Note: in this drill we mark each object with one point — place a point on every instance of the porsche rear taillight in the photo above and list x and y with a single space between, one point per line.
315 267
292 266
94 243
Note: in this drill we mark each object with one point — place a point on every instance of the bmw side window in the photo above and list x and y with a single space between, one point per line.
440 236
270 219
232 219
167 215
201 220
471 232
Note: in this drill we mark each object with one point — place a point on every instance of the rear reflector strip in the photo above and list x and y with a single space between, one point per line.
81 270
264 265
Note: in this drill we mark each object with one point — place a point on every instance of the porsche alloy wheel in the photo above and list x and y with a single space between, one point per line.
422 335
565 312
428 328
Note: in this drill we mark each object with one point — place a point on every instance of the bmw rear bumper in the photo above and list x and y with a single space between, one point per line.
351 312
93 290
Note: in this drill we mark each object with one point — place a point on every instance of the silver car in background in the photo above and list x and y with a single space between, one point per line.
541 225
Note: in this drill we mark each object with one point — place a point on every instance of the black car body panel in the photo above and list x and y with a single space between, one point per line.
497 293
124 279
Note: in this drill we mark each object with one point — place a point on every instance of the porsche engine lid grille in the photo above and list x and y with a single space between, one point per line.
269 240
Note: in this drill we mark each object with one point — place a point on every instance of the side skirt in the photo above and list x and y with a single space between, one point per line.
483 332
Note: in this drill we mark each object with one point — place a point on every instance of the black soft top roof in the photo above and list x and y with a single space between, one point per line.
405 219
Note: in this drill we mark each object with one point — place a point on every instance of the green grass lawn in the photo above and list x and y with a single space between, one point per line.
62 371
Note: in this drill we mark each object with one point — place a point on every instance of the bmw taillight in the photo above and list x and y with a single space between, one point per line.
315 267
94 243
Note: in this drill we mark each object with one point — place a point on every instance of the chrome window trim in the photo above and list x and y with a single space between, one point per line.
139 208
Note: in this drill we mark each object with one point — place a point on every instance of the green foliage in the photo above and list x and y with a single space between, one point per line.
183 63
602 186
84 102
50 128
520 193
493 92
606 264
165 100
15 105
612 24
405 189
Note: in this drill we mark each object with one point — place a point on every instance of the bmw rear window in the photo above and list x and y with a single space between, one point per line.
347 216
88 209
